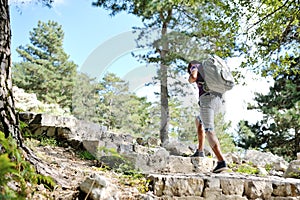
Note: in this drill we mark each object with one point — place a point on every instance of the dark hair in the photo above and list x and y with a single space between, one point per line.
192 63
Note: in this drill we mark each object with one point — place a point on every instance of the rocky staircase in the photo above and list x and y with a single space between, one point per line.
223 186
171 175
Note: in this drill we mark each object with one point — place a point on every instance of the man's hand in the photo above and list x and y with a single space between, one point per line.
193 76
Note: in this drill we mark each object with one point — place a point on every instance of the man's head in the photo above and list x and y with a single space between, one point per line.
194 64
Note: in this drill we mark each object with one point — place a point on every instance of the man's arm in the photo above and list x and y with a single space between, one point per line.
193 76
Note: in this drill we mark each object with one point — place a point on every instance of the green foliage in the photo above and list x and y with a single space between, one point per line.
85 98
122 110
42 140
48 141
269 167
106 150
182 121
6 168
129 176
136 179
245 168
86 155
198 25
222 130
246 137
279 130
272 29
14 168
294 175
45 69
121 165
47 181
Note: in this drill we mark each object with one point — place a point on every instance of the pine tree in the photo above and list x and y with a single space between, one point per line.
45 69
185 30
85 98
279 131
121 110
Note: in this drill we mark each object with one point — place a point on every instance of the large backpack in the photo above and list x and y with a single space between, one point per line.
217 75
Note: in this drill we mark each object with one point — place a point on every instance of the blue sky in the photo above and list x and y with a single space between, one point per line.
85 27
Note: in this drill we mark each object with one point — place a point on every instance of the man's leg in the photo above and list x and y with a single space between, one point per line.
207 112
201 138
214 144
201 134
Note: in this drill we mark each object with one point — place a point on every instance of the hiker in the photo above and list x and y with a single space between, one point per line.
209 103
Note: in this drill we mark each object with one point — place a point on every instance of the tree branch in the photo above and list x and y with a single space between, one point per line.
270 14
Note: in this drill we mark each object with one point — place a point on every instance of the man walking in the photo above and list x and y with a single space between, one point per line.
209 103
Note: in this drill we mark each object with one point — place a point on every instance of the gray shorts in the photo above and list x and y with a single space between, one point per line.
210 105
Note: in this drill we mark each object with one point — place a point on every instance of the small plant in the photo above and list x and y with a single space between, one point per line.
132 177
247 169
15 169
47 181
86 155
268 167
48 141
294 174
138 180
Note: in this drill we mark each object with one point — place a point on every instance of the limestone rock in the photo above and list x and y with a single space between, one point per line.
178 148
232 186
29 102
262 159
293 171
98 187
258 189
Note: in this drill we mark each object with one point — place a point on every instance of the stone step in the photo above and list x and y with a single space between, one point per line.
148 159
223 186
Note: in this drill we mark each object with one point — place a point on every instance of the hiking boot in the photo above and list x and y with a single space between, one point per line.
198 153
221 166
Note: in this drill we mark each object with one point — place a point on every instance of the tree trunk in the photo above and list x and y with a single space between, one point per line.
297 141
164 122
165 118
9 117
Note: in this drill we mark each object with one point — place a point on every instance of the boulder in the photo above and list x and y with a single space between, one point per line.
98 187
293 170
263 159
